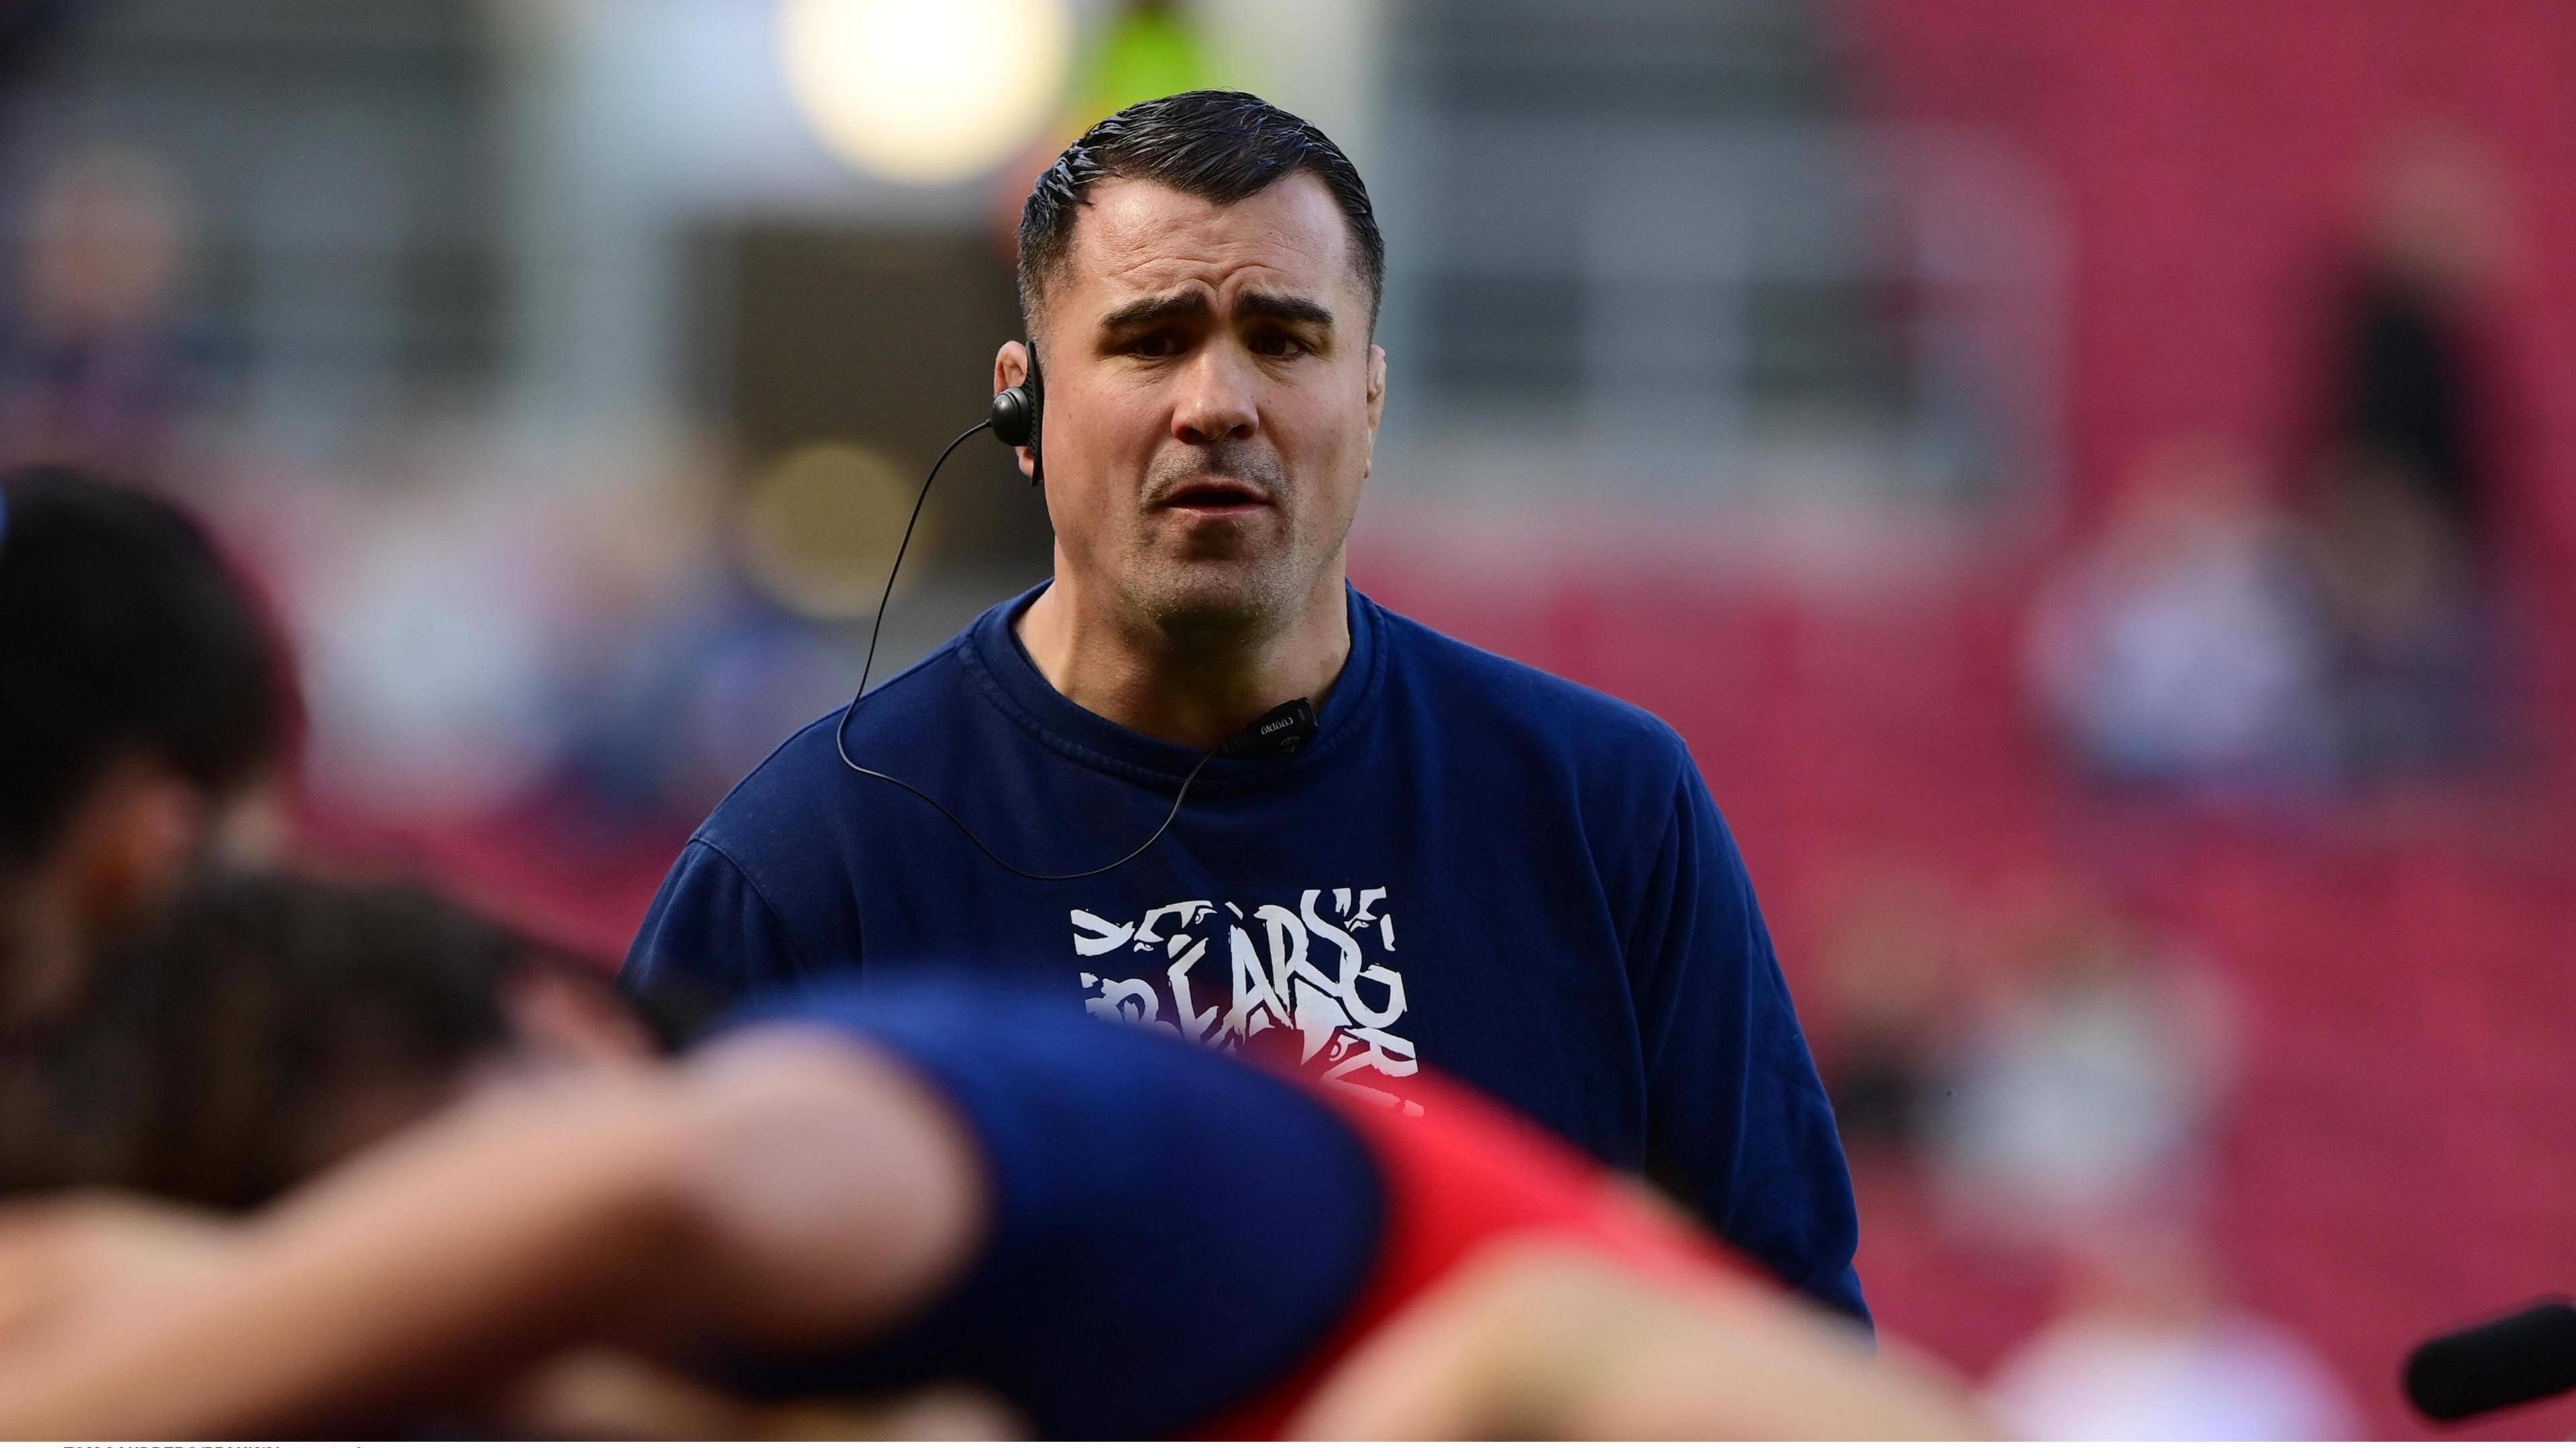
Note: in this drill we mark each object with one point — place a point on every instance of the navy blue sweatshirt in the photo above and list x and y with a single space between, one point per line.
1473 865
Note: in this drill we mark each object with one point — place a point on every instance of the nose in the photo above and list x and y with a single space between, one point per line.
1217 398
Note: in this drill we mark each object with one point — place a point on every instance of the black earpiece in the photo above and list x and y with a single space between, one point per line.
1018 417
1014 417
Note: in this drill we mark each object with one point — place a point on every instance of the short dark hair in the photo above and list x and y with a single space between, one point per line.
1219 146
122 635
229 1046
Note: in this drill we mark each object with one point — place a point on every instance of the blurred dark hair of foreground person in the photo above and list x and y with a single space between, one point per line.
144 713
262 1027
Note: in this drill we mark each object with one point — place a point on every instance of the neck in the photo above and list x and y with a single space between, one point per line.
1192 684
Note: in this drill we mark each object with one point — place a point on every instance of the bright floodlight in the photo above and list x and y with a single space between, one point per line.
925 90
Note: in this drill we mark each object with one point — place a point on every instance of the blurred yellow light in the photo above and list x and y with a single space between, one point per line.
925 90
819 530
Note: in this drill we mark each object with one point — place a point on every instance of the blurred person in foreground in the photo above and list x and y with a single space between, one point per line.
1200 278
143 720
841 1193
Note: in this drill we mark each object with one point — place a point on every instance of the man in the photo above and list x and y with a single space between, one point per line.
1200 277
143 714
843 1192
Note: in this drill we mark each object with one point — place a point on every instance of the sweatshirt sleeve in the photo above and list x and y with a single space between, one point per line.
1738 1126
710 939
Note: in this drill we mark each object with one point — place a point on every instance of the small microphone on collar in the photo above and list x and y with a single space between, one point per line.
1284 730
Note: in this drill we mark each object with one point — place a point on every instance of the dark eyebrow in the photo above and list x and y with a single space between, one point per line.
1153 310
1193 305
1284 309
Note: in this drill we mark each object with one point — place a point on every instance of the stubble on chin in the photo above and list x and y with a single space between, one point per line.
1213 599
1241 581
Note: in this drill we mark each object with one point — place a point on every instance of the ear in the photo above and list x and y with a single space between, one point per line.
1376 401
1010 369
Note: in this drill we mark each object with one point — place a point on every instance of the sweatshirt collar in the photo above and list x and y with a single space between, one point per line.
1001 665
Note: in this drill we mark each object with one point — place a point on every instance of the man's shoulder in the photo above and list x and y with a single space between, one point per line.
1533 707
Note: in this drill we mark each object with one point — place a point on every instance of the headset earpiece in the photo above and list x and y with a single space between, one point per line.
1018 417
1014 417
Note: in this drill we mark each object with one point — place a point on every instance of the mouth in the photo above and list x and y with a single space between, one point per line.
1216 497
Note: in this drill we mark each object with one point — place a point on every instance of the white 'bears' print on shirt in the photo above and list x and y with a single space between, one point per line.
1303 970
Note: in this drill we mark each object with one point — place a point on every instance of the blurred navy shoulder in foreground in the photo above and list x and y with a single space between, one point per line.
1473 864
1086 1133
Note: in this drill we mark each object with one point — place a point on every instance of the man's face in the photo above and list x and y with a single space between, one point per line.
1212 402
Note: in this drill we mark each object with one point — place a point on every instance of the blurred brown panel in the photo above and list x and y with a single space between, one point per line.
880 338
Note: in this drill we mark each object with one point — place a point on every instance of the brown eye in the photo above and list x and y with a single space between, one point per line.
1277 344
1153 344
